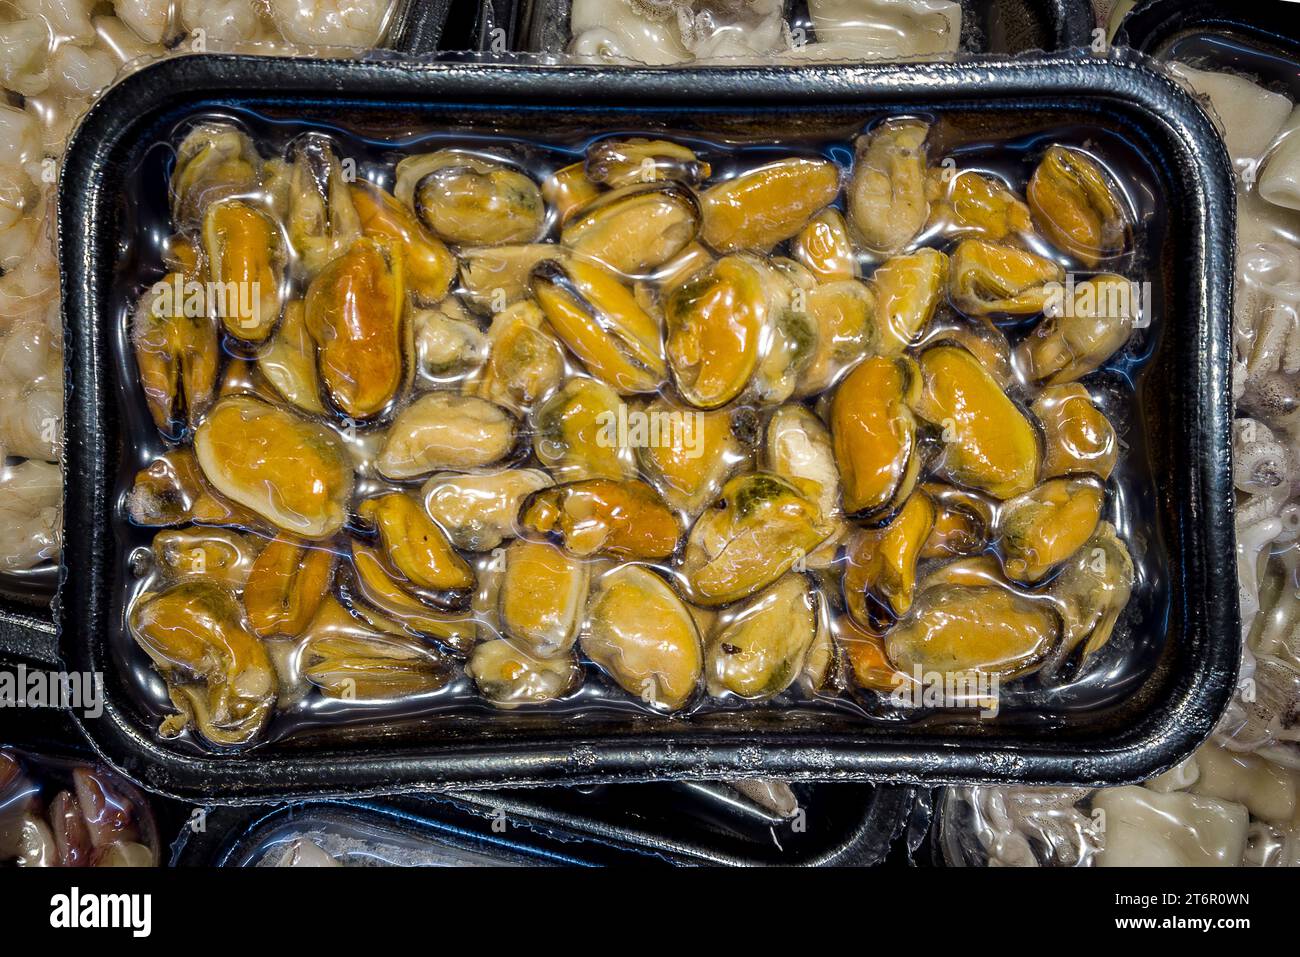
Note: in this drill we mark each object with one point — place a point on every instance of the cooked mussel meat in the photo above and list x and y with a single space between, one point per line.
761 650
218 673
291 471
639 632
355 310
470 200
625 520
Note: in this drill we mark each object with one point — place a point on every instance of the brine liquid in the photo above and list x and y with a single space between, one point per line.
544 140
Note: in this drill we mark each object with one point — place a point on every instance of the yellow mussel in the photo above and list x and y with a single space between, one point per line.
1077 436
987 442
467 199
887 201
509 677
355 310
760 528
761 650
687 454
623 162
969 204
245 257
1076 207
293 472
419 550
768 204
542 597
430 266
442 430
639 632
602 323
285 587
216 554
1045 526
880 564
576 432
177 354
874 433
352 660
524 359
478 510
844 315
716 323
218 674
824 247
995 279
322 220
1082 330
623 520
908 291
636 229
288 361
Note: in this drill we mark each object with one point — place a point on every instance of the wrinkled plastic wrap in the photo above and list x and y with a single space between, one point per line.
1235 801
55 58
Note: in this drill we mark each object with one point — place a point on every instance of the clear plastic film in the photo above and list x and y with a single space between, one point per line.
65 813
1235 801
670 422
55 59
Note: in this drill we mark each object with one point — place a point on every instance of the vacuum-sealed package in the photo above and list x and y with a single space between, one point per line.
1235 801
399 422
55 59
718 32
658 420
57 812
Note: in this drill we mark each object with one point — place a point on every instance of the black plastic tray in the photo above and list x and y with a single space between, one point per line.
418 25
1153 26
990 26
682 824
1188 436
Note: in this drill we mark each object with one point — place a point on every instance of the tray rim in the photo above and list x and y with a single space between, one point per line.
1212 621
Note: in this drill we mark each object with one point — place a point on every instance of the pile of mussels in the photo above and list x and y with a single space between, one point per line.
715 438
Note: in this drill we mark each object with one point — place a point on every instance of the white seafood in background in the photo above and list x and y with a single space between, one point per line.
1146 829
715 29
31 500
1279 180
887 29
149 19
1018 827
660 32
1249 115
333 23
640 30
31 391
